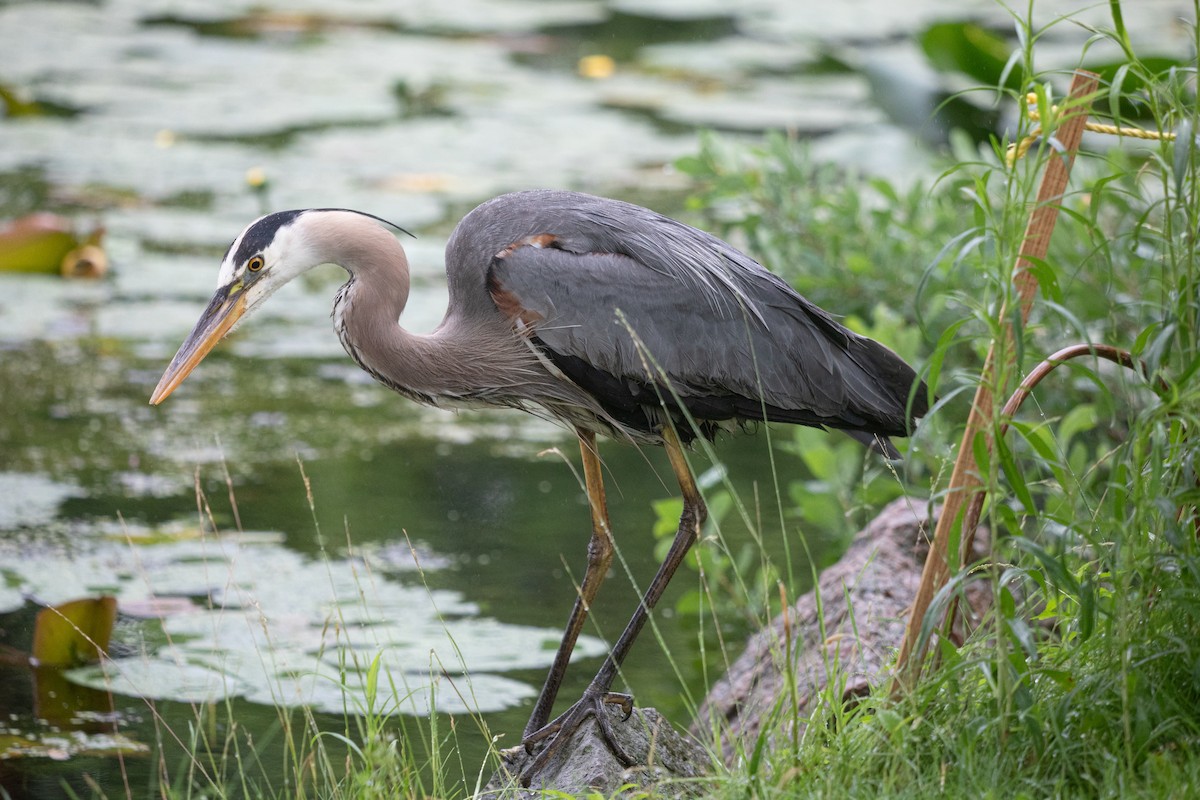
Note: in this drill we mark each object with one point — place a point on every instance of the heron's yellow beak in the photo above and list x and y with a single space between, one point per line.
221 315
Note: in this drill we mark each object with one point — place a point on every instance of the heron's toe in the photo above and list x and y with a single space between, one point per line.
560 731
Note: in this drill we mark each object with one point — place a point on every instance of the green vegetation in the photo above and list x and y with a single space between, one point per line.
1083 679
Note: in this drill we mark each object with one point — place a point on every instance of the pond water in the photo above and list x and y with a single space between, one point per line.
281 519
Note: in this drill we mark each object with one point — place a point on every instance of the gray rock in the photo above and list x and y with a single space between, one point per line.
848 629
664 759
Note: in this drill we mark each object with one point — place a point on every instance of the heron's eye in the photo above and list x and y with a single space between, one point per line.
255 263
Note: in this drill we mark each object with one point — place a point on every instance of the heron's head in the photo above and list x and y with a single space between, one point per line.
267 254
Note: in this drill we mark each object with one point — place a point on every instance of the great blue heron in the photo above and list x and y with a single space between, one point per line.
600 314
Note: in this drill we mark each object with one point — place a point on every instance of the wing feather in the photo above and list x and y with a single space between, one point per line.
685 312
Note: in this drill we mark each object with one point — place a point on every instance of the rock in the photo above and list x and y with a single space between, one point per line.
854 625
853 628
586 765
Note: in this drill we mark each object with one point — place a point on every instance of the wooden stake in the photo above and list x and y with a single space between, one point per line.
965 480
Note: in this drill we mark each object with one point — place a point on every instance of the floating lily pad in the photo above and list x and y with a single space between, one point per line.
74 633
243 616
10 598
30 499
49 244
157 680
16 103
62 746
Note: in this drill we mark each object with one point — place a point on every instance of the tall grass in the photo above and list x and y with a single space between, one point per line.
380 750
1083 679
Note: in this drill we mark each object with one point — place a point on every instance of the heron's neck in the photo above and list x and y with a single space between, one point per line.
472 355
366 314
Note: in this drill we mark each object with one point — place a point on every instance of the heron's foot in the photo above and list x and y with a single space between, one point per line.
561 729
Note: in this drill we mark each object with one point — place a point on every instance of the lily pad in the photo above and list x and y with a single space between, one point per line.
243 616
62 746
31 499
16 103
149 678
74 633
48 244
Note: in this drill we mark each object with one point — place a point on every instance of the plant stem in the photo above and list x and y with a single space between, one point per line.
965 480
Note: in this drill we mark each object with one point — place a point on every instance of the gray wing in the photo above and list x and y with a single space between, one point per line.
683 311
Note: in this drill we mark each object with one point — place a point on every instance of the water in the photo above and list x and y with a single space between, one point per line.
415 111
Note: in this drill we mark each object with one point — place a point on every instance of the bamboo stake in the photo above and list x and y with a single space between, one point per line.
965 481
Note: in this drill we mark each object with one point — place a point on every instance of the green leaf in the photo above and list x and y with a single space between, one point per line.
74 633
948 339
1013 475
1053 566
1008 606
972 50
1046 278
693 166
1008 517
666 516
1087 609
1039 438
37 243
719 504
1079 419
982 453
1129 80
817 453
1022 636
372 684
1143 338
1182 156
1062 677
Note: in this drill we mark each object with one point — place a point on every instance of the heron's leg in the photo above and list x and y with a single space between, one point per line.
693 517
600 554
597 694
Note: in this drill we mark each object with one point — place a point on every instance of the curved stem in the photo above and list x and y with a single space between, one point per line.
1018 397
975 508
